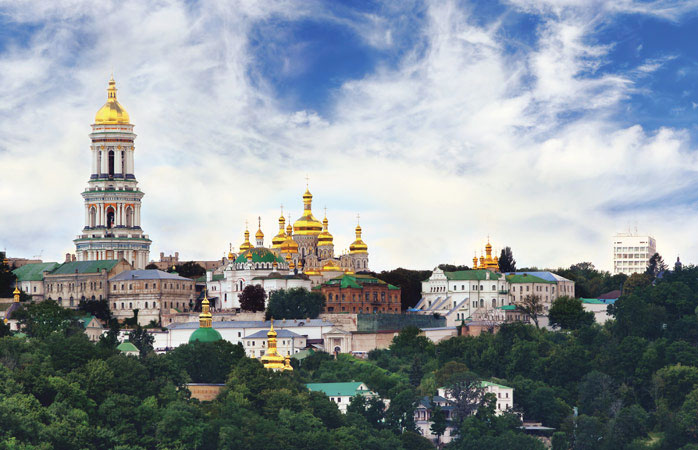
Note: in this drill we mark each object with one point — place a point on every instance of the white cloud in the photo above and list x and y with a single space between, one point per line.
460 140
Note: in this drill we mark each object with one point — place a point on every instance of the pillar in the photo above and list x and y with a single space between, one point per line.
105 160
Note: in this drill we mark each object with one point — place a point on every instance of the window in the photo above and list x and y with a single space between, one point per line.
130 305
146 285
146 305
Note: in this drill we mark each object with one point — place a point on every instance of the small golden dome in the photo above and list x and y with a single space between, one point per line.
324 238
246 245
358 246
259 234
279 239
112 112
289 245
330 266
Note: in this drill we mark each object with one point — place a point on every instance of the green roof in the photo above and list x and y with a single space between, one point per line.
205 335
86 320
85 266
349 389
526 278
489 383
594 301
127 346
34 272
507 307
356 281
479 274
259 254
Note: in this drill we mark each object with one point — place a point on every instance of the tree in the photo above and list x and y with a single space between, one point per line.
207 362
142 340
98 308
295 303
252 298
452 267
7 278
410 282
560 441
655 266
531 306
190 269
569 314
438 423
507 263
467 394
45 318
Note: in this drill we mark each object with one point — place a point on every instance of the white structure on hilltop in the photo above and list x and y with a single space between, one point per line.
632 252
112 198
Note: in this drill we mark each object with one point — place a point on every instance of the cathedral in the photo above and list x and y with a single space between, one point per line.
112 198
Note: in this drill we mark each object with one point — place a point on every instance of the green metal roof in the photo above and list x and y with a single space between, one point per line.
507 307
127 346
356 281
489 383
34 272
349 389
526 278
479 274
85 320
259 254
85 267
205 335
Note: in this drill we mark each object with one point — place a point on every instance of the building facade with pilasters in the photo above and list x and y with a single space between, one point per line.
112 198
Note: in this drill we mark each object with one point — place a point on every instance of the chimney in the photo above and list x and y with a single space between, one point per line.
74 258
177 256
67 257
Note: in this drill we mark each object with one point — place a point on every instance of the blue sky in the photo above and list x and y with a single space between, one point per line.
548 125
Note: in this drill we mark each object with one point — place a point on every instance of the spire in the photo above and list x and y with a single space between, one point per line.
205 318
279 239
271 359
230 252
16 294
246 245
358 246
259 236
112 112
325 238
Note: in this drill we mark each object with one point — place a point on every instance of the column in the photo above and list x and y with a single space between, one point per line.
129 158
94 161
105 160
119 221
137 215
87 215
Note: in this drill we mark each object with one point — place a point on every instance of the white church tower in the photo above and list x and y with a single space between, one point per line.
112 198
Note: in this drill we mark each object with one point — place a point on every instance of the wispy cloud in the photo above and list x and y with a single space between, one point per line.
457 140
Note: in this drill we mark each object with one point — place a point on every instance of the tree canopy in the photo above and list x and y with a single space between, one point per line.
295 303
253 298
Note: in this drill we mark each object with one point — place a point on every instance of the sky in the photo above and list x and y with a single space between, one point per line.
548 126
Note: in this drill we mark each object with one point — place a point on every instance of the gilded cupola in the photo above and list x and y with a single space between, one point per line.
246 245
358 246
289 245
307 224
279 239
112 112
325 238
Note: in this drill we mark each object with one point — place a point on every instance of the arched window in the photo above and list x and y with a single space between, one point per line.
494 302
93 216
110 217
111 163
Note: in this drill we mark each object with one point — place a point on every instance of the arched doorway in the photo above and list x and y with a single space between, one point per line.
110 217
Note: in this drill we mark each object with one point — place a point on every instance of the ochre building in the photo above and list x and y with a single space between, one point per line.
359 294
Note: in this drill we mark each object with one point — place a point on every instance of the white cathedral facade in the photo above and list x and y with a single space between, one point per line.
112 198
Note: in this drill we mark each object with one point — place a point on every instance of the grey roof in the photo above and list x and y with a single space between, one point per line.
548 276
279 334
255 324
149 274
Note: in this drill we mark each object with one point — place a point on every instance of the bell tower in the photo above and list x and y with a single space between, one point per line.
112 198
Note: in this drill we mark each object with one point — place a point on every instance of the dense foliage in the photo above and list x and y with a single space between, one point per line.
409 281
252 298
295 303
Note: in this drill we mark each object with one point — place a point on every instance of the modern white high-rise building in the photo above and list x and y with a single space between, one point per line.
112 198
632 252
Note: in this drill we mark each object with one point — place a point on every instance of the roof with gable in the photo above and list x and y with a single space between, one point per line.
279 334
479 274
347 389
147 274
85 267
549 276
357 281
85 320
527 278
34 272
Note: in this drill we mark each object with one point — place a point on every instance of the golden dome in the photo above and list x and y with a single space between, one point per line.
112 112
307 224
287 364
358 246
324 238
246 245
289 245
475 262
330 266
259 235
272 359
279 239
311 272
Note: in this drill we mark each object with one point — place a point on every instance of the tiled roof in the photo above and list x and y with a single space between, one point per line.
148 274
34 272
85 266
279 334
479 274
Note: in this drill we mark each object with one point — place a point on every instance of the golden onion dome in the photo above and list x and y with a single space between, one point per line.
358 246
259 234
330 266
324 238
112 112
246 245
279 239
307 224
289 245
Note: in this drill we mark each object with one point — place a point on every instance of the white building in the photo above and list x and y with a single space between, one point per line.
342 393
236 331
632 252
423 420
480 294
598 306
288 343
503 394
112 198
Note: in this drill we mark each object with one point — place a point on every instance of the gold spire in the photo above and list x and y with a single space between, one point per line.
279 239
16 293
259 235
475 261
271 359
289 245
246 245
358 246
230 253
112 112
205 318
